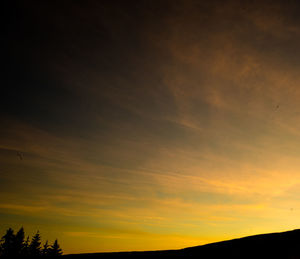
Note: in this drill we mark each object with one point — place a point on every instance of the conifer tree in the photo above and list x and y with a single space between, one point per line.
55 249
19 241
8 243
45 249
25 250
13 246
35 245
1 247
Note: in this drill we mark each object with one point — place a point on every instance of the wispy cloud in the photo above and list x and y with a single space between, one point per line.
153 123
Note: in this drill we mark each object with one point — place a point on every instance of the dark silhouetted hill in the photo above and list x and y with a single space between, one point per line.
285 245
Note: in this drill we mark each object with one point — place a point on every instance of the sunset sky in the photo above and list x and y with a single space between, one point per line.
146 125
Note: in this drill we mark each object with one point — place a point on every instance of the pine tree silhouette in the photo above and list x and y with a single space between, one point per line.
25 250
45 249
7 245
35 245
19 242
13 246
55 249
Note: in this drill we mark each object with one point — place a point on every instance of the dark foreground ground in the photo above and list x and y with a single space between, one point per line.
275 245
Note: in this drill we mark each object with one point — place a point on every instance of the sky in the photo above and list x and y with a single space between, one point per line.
147 125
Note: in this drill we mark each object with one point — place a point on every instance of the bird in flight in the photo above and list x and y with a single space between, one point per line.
19 154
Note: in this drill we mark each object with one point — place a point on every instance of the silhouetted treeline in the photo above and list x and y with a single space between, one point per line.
16 246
